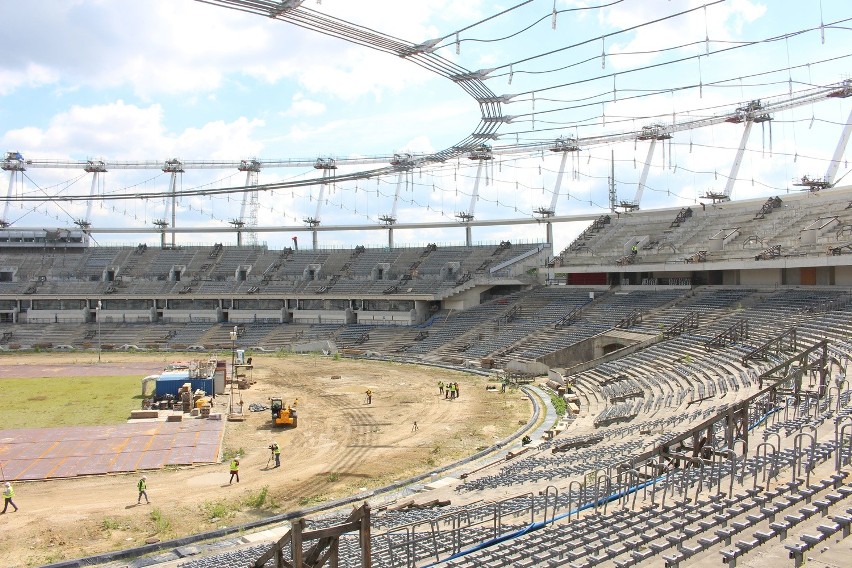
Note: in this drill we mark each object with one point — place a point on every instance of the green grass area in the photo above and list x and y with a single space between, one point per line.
68 401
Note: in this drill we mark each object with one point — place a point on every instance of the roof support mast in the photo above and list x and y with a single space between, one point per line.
753 112
173 167
831 173
738 160
96 168
402 163
643 179
327 165
564 145
481 153
13 163
250 198
653 133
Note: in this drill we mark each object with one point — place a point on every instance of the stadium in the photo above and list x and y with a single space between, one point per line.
645 315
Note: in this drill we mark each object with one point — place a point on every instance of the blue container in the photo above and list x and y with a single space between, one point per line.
171 381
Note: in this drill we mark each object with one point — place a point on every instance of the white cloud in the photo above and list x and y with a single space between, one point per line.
31 76
303 107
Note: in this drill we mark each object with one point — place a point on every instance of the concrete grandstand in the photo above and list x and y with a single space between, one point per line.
707 413
701 349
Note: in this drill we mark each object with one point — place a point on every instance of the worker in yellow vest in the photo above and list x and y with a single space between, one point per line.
276 453
8 493
142 486
235 470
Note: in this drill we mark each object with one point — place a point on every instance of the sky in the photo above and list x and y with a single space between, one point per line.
153 80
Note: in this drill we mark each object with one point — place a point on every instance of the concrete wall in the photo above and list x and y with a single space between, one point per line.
321 316
592 349
825 275
248 316
764 277
56 316
463 300
128 316
843 275
186 316
730 278
387 318
792 276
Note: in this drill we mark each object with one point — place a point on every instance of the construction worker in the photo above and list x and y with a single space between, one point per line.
235 470
456 389
276 453
414 428
634 250
8 493
369 394
142 486
440 387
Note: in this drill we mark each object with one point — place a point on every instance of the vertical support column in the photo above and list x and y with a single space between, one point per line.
558 185
738 159
96 168
613 197
173 167
396 193
831 173
5 217
174 205
475 195
645 170
327 165
12 162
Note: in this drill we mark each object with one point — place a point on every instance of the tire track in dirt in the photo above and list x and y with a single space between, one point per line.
356 445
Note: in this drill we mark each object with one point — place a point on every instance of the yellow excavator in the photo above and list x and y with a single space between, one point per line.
283 416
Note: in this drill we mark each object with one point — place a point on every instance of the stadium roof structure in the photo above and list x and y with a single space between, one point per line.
658 111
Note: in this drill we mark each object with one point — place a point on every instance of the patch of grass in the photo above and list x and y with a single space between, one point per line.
110 524
216 510
436 450
310 500
559 404
332 477
430 461
161 524
257 500
95 400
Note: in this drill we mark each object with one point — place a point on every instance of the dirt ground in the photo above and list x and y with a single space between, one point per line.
342 446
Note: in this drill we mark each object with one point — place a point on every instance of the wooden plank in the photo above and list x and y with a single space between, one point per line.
330 532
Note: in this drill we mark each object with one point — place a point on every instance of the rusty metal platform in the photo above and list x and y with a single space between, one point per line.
48 453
